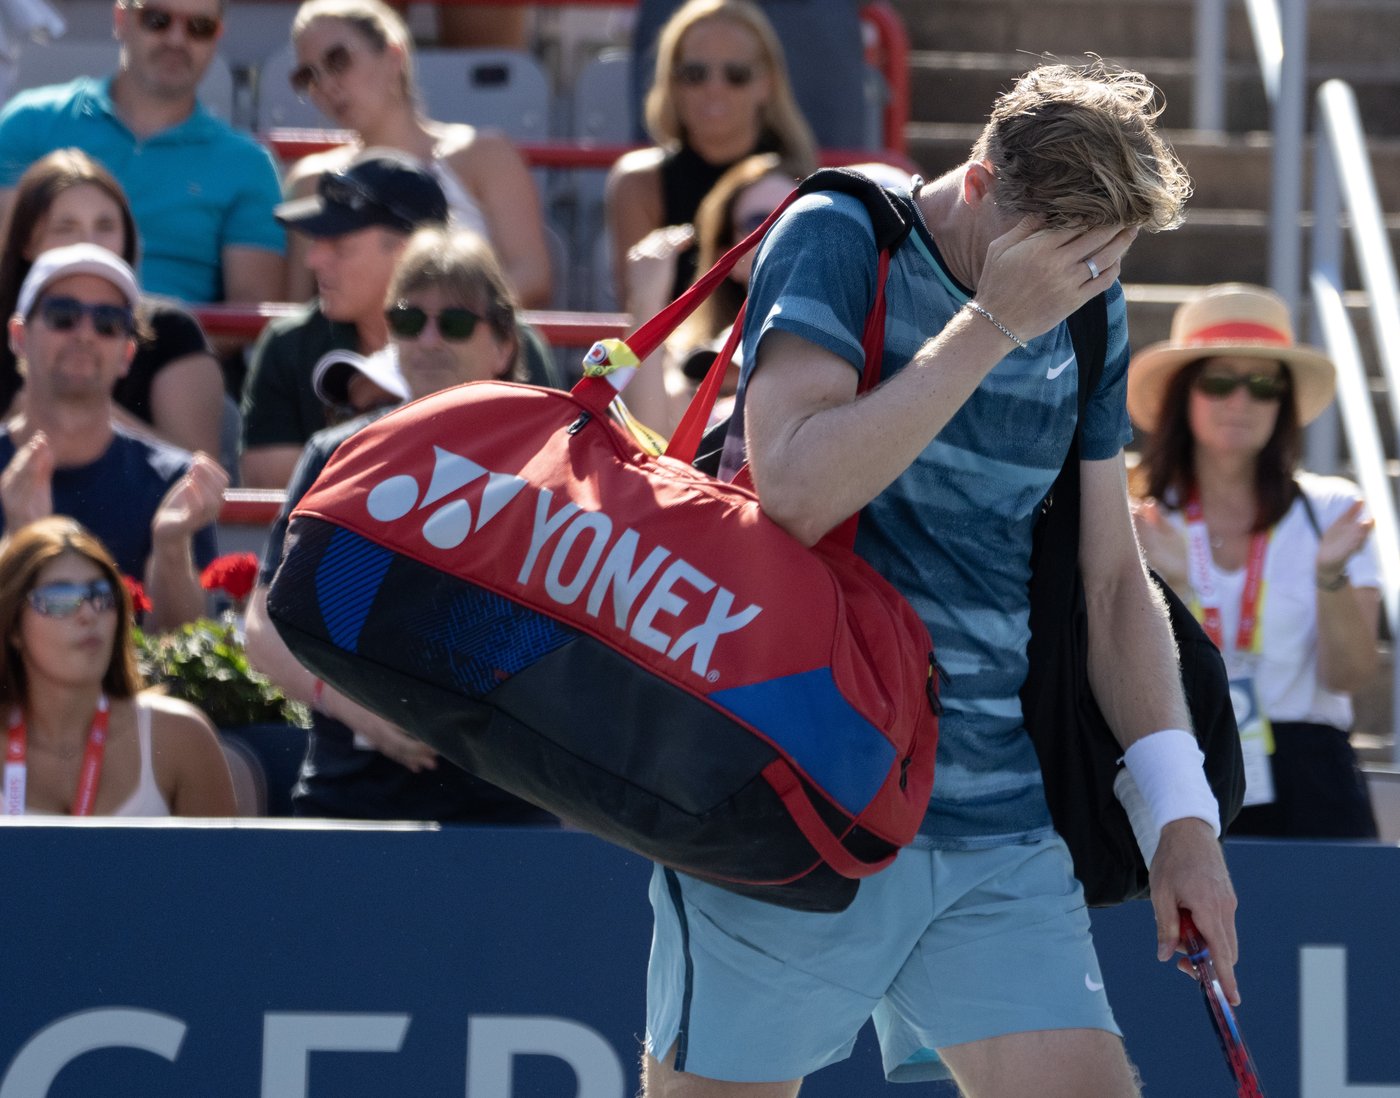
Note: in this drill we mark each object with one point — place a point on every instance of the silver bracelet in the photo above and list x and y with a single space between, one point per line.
1002 328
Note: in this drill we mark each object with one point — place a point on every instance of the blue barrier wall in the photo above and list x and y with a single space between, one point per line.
272 961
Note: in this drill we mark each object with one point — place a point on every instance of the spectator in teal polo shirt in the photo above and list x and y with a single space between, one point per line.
201 191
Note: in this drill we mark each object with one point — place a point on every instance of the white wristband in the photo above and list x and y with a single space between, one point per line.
1163 780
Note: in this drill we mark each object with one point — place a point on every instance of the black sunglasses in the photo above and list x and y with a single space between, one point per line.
61 314
157 20
737 74
63 599
455 324
748 223
1261 387
336 61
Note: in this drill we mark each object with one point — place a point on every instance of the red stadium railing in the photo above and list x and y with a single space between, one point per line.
250 506
289 144
560 328
891 57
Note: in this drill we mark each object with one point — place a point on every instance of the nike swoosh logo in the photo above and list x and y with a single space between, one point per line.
1089 982
1056 371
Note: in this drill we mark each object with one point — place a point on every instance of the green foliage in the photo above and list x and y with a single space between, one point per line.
204 664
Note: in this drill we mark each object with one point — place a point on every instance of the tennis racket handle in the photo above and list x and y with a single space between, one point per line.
1191 939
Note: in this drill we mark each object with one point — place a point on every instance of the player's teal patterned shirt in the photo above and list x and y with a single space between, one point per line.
953 532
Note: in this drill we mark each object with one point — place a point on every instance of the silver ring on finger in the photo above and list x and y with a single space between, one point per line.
1093 268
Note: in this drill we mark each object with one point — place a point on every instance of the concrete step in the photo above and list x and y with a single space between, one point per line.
1227 170
949 86
1215 245
1151 305
1354 31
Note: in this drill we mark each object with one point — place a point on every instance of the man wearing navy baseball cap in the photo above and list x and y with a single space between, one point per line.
359 220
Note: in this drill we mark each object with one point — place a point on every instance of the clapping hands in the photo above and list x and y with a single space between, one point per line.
26 485
193 501
1342 539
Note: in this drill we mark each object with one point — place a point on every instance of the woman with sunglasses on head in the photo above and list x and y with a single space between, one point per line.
174 387
1278 564
81 739
720 93
355 64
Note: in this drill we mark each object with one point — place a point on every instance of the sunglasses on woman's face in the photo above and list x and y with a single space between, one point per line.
62 314
158 20
336 61
63 600
1261 387
455 324
693 74
747 223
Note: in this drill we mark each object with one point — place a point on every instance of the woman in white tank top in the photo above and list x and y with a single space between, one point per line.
79 739
355 63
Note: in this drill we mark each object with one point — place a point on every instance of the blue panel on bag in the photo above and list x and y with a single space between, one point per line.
347 579
807 717
484 639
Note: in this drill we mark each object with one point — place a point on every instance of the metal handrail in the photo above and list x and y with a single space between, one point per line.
1344 193
1280 32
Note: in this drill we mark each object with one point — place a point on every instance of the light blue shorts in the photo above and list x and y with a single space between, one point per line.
943 947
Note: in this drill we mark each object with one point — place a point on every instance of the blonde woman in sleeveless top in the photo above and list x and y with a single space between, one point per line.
355 64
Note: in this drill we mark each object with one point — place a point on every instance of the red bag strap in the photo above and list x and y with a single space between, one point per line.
785 784
596 391
873 344
685 441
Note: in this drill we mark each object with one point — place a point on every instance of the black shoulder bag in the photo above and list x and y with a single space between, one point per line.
1079 756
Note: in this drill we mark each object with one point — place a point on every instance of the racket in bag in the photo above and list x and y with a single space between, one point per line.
506 573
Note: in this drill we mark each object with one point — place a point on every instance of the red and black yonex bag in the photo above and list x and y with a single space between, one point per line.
627 642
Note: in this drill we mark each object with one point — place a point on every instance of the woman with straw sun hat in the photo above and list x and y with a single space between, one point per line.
1278 564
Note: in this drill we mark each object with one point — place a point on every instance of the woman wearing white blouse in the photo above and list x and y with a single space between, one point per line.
1278 565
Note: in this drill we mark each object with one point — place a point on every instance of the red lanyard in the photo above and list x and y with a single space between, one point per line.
1198 546
17 770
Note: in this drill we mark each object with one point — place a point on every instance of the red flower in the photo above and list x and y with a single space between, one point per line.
140 604
234 573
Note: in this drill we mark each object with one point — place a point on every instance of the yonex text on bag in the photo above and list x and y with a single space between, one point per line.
578 553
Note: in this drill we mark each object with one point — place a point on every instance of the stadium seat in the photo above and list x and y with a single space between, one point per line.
600 97
278 105
600 116
68 58
498 89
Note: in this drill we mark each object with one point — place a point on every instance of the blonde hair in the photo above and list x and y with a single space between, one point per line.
1079 146
779 116
377 23
714 235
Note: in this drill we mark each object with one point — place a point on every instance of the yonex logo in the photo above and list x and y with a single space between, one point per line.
654 599
449 525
